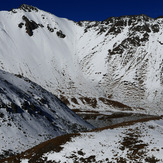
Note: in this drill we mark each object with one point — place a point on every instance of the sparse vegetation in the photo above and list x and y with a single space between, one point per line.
131 141
64 100
90 101
74 100
37 152
115 104
152 159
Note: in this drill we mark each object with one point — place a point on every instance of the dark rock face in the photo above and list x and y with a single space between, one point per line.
49 28
28 8
20 25
155 28
30 25
115 25
60 34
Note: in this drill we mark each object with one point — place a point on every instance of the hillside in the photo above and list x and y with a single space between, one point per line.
135 141
88 65
30 115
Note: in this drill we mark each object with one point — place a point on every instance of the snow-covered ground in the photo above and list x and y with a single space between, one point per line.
133 142
142 142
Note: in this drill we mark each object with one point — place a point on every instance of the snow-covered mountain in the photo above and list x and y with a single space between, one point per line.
30 115
88 65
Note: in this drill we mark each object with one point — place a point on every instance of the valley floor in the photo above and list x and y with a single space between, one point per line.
141 142
132 141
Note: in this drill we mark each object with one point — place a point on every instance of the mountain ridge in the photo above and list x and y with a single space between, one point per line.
30 115
84 61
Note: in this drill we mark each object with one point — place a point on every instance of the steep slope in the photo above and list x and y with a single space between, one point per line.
41 46
88 65
124 57
29 115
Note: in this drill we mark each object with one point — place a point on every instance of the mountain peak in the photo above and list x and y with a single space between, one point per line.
134 17
28 8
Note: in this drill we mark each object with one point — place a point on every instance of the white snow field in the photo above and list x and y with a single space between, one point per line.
140 143
87 63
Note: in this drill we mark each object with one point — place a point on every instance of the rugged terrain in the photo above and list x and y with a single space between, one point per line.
109 72
135 141
30 115
88 65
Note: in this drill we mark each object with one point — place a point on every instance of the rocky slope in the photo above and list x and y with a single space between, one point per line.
30 115
88 65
